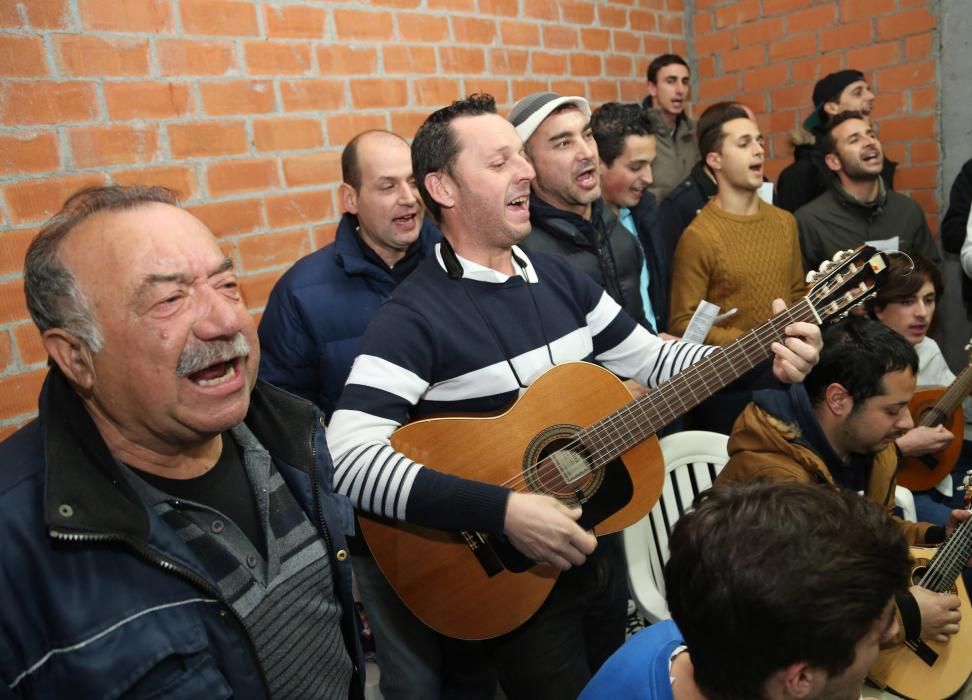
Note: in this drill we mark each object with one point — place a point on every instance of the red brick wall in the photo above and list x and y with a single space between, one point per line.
243 107
769 54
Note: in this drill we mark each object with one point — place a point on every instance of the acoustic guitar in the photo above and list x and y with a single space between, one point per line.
575 434
931 407
929 670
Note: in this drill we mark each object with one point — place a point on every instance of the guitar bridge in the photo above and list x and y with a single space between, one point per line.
924 652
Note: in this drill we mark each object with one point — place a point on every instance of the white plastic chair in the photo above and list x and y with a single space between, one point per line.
693 458
905 500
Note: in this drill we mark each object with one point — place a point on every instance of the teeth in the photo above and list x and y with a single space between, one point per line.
229 374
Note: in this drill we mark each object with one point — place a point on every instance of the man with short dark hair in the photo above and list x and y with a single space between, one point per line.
807 177
838 428
626 142
857 208
309 335
669 87
739 252
680 206
468 332
776 591
170 528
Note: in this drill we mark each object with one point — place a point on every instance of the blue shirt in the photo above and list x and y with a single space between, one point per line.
627 220
639 670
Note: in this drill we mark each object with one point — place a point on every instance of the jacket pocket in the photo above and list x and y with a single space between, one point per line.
161 652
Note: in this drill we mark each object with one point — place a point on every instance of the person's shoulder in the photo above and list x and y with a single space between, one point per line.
312 269
21 458
898 201
782 216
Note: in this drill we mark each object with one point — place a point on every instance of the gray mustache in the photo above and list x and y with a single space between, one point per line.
201 355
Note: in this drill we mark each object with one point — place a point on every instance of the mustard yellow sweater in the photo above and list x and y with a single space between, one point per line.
736 261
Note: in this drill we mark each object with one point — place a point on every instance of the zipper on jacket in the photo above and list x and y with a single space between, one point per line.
154 559
319 511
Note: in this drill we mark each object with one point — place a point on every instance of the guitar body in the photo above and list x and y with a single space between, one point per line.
437 574
923 473
901 670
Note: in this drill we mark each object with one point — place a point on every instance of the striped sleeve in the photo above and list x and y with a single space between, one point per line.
383 386
629 350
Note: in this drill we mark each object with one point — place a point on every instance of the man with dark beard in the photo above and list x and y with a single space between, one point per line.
169 522
858 208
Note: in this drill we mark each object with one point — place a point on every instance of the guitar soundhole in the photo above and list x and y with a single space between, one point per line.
919 568
558 465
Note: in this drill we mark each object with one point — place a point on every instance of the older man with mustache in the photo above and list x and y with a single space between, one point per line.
169 521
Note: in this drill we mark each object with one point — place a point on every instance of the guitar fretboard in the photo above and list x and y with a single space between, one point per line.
642 418
949 560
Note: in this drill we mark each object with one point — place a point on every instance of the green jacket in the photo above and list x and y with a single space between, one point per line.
676 153
836 221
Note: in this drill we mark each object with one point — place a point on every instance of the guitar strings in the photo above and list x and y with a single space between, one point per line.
660 400
949 560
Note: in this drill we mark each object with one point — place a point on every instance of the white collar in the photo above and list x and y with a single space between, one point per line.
475 271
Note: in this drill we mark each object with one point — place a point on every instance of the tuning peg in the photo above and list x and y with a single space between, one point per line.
812 277
841 255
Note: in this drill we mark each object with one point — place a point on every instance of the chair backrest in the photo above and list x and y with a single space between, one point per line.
693 458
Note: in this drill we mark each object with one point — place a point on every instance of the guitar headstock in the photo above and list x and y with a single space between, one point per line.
845 281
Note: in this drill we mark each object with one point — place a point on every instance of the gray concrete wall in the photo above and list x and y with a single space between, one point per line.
955 129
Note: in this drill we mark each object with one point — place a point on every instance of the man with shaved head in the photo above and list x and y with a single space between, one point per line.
310 332
169 523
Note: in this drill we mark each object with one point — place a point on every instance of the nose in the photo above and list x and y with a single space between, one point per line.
525 171
219 315
758 147
921 309
407 194
647 175
905 421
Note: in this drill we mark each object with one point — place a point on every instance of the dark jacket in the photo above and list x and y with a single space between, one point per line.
955 222
836 221
808 176
101 597
318 311
601 247
682 204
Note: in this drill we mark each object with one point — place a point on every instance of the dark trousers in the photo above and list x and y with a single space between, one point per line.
578 627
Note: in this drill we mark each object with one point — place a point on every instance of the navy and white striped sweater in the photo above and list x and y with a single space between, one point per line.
442 345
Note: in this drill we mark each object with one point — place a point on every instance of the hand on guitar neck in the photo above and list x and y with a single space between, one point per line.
799 352
940 614
924 440
545 530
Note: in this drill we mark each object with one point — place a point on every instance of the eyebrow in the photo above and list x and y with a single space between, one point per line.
564 135
183 278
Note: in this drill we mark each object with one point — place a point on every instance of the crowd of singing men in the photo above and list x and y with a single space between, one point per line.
180 519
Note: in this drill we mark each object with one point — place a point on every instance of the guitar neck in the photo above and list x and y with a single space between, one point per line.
950 400
949 560
642 418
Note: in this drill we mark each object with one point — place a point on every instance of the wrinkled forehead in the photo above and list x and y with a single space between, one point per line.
114 251
850 128
384 156
483 135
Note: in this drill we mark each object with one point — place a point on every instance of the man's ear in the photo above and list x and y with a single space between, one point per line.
714 161
652 89
799 680
442 188
349 198
838 400
833 162
831 108
71 355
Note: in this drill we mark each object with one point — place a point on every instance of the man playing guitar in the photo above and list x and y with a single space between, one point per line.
467 332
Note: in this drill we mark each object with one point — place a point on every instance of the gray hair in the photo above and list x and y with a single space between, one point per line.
53 297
